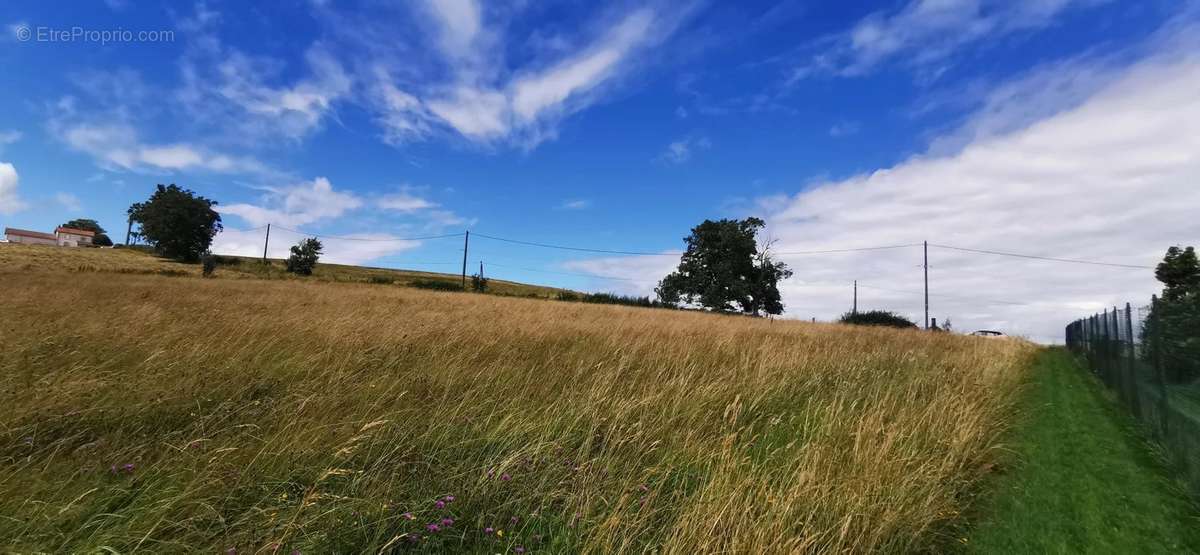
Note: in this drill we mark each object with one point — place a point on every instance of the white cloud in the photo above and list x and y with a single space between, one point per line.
293 111
404 202
69 201
296 205
460 22
844 129
9 137
1111 178
10 201
575 204
925 33
682 150
484 101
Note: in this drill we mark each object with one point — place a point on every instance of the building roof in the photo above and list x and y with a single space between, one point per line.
74 231
27 233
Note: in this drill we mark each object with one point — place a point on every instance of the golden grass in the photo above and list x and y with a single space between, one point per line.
279 415
17 257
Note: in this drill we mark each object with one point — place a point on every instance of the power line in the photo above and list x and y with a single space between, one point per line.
943 295
859 249
1047 258
580 249
558 273
388 239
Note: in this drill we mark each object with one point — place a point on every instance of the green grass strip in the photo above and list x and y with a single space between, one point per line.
1084 480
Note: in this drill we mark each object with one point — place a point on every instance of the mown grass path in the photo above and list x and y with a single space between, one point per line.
1084 479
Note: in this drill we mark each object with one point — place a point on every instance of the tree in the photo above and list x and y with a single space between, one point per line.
177 222
1172 332
304 256
1180 273
877 318
723 270
100 239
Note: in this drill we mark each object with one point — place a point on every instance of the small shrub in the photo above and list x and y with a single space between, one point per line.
304 256
877 318
381 280
479 284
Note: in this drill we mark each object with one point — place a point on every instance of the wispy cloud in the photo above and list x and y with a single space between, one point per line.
844 129
9 137
681 151
479 95
68 201
575 204
925 34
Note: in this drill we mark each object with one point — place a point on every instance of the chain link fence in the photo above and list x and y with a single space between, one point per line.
1150 357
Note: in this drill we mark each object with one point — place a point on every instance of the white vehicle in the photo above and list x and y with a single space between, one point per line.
987 333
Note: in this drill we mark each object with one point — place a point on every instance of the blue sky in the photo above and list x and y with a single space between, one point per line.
620 126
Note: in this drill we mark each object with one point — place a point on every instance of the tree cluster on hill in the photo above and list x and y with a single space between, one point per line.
1172 331
724 270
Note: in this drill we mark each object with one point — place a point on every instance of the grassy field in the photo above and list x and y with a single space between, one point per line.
14 257
157 413
1084 480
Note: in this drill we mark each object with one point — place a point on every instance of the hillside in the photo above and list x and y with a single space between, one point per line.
140 261
177 413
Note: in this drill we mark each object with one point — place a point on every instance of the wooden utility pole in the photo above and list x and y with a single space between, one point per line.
266 242
128 229
926 245
466 244
854 310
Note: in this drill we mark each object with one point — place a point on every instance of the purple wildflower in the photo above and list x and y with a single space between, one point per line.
518 549
447 522
439 504
432 527
448 499
489 530
505 477
408 516
128 467
514 520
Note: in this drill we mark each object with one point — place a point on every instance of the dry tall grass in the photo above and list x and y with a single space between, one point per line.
272 416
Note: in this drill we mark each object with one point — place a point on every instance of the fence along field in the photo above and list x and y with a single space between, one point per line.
154 413
1151 359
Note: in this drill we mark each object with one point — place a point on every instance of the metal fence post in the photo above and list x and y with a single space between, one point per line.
1156 338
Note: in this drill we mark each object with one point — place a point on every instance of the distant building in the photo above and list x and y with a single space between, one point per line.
63 237
29 237
71 237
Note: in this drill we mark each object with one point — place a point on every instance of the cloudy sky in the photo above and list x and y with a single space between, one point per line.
1056 128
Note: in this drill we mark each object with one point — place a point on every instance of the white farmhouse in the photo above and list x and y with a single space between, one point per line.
71 237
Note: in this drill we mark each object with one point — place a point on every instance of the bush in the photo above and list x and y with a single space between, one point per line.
381 280
479 284
877 318
610 298
208 263
304 256
436 285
